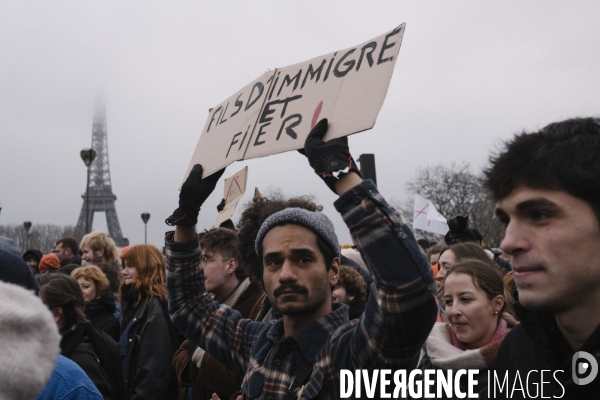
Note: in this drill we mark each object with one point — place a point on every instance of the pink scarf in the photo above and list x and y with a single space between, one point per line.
501 330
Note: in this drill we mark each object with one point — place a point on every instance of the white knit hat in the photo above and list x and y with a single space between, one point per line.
29 343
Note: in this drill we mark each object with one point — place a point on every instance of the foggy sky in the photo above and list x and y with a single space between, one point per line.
469 75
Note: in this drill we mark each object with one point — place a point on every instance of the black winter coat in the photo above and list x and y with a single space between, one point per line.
151 342
98 355
100 313
537 344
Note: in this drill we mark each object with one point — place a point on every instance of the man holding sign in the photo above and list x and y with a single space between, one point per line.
302 354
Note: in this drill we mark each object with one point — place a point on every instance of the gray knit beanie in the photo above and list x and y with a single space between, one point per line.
313 220
29 343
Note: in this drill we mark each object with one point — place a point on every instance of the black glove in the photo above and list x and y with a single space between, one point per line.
221 205
329 157
194 192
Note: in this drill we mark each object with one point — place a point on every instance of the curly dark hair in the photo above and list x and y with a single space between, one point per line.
253 216
353 283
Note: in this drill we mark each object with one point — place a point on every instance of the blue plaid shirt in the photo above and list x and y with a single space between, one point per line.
397 320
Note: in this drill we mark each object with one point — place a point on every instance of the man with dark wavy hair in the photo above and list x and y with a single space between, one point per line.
547 185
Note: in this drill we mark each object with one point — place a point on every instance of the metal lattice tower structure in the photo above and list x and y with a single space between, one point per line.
101 194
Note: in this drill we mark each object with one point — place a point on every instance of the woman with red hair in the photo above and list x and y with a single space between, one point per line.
147 334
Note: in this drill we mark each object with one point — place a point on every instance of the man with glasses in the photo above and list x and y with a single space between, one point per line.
228 283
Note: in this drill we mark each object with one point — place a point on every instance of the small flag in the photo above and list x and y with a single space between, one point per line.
427 218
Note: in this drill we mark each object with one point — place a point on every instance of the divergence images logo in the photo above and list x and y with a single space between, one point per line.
584 368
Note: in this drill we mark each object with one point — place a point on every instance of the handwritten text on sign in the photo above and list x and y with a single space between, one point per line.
275 112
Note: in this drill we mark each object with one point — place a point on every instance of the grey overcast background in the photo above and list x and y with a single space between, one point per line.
470 74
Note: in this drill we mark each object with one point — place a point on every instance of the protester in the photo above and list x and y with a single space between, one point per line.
99 300
148 338
29 343
49 263
424 245
452 254
352 258
254 215
460 233
300 254
351 290
94 351
99 248
546 186
475 300
67 251
226 280
433 254
32 257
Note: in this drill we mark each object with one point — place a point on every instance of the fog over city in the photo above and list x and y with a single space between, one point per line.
469 75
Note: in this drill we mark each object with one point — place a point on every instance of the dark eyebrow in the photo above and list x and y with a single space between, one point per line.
500 213
295 252
303 252
533 203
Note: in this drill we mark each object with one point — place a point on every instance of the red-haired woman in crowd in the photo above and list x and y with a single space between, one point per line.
99 300
147 334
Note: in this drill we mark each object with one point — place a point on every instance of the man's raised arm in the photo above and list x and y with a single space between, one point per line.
401 311
189 301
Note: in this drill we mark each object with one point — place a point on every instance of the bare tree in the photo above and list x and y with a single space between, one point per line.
41 237
455 190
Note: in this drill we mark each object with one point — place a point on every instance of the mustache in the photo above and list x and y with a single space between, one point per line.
294 287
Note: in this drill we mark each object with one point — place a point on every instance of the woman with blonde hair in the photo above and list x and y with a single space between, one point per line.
148 337
99 300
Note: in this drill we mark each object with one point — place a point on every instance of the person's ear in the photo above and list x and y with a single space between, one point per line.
334 271
57 313
232 265
497 303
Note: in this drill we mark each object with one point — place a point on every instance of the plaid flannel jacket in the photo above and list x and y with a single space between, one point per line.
397 319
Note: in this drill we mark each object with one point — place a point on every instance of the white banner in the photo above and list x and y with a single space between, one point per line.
427 218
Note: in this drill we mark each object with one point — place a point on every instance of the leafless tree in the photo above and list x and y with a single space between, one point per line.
454 190
42 237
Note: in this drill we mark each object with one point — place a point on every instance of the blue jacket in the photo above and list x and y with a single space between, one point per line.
69 382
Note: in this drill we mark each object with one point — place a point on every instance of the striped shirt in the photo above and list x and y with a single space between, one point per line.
398 315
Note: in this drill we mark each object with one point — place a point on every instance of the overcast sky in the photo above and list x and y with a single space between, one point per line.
469 75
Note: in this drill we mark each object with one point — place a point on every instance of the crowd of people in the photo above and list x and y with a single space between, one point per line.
275 308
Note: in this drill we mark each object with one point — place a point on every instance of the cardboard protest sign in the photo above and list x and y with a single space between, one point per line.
234 189
348 87
276 112
229 126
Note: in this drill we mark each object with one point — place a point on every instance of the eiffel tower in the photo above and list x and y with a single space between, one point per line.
101 195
